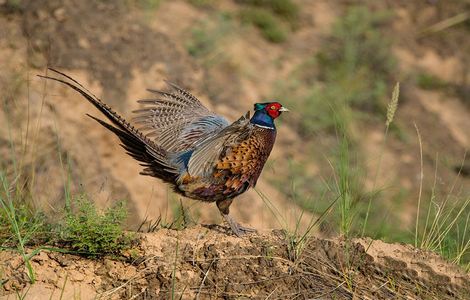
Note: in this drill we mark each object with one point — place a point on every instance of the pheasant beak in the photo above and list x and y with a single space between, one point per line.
283 109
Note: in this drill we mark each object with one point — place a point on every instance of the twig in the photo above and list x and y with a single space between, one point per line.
444 24
204 279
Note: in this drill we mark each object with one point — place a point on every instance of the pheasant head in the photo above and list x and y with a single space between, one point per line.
265 113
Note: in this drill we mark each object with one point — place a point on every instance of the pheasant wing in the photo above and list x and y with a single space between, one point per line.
177 119
207 154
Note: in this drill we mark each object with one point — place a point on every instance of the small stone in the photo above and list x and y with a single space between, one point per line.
7 286
59 14
77 276
40 258
42 15
83 43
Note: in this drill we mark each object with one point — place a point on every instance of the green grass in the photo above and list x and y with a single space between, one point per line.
19 227
274 18
146 5
335 91
207 36
351 70
284 9
271 28
442 221
342 87
202 3
25 228
431 82
88 231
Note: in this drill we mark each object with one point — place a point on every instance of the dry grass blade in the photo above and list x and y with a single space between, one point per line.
204 279
421 177
447 23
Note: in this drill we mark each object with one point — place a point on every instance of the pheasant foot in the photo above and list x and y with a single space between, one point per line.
237 229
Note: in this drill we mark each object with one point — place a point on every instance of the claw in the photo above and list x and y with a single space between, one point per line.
237 229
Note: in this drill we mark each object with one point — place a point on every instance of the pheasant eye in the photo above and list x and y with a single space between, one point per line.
272 107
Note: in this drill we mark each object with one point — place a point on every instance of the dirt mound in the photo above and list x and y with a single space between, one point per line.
206 263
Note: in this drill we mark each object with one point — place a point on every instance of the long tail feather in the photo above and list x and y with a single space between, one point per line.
137 145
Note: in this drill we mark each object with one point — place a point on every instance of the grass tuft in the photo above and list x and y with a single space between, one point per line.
285 9
92 233
270 27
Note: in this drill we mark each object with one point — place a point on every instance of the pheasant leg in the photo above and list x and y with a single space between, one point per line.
237 229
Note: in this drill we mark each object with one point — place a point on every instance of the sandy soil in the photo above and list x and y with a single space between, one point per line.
203 262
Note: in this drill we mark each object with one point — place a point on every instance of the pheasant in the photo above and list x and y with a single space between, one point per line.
199 153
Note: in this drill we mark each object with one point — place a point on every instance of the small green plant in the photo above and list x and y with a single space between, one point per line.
442 226
18 225
344 188
431 82
285 9
89 232
202 3
147 5
13 6
207 36
21 226
347 77
271 28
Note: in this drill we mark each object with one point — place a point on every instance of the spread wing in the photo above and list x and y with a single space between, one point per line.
208 154
177 120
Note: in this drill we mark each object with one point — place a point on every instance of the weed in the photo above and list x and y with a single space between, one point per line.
350 73
345 79
344 188
285 9
391 109
13 6
431 82
206 37
270 27
146 5
202 3
441 227
18 228
91 233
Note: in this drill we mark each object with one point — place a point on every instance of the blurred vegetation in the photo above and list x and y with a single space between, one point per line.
284 9
146 5
12 6
93 233
271 29
202 3
348 77
274 18
207 36
431 82
351 73
79 228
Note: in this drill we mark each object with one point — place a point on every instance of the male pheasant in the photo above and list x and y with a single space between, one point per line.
199 153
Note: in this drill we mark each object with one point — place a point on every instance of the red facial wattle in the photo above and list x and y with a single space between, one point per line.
273 109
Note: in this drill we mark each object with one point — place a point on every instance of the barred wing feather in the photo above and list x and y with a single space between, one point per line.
177 119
